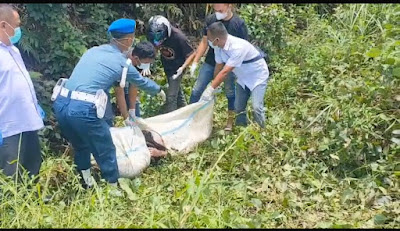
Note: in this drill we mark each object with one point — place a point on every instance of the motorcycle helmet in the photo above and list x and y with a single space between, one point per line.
159 30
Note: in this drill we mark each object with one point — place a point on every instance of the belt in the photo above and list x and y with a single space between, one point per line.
78 95
261 55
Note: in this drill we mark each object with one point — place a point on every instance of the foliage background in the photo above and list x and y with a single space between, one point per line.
328 158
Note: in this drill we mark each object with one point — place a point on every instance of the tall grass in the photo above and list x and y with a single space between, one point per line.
328 157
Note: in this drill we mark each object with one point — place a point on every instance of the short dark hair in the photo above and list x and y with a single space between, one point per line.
6 11
144 50
118 35
218 29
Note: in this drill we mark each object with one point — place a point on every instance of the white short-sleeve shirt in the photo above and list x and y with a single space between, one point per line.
237 50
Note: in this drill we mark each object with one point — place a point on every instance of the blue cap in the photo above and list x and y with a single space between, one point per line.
123 25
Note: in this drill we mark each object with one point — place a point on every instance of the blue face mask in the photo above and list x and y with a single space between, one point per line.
17 35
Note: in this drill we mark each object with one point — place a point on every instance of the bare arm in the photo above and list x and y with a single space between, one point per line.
221 72
189 60
201 49
133 92
121 102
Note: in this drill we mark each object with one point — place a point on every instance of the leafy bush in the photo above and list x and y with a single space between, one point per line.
328 157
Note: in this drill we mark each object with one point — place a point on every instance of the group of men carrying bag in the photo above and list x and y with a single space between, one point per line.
82 103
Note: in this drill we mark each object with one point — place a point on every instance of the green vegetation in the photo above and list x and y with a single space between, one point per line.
328 158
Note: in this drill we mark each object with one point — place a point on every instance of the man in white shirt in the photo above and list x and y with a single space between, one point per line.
248 64
20 113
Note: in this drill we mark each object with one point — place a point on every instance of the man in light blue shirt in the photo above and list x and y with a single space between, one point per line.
20 114
248 64
77 109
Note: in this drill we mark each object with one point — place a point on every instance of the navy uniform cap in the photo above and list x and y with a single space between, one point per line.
123 25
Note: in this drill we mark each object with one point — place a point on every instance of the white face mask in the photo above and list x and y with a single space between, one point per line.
211 44
221 16
128 47
144 66
128 52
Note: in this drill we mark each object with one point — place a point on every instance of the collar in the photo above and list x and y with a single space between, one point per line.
113 45
11 47
3 44
227 43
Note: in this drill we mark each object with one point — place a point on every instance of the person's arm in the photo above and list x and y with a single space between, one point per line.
133 92
121 102
187 51
218 68
221 74
235 60
188 60
201 49
141 82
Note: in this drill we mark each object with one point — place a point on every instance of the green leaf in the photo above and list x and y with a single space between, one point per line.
396 72
389 61
324 225
124 183
373 53
379 219
256 202
341 226
214 143
395 140
334 157
35 75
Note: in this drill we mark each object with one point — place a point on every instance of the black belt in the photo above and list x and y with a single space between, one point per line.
258 57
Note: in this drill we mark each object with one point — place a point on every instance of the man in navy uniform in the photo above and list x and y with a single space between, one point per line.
80 105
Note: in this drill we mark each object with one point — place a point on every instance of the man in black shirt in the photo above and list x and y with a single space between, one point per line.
176 54
236 27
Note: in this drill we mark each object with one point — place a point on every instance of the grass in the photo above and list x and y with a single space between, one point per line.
326 159
249 181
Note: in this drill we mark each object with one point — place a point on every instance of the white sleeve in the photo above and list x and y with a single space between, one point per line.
236 59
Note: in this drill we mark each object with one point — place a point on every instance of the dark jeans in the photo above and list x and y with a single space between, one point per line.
87 134
30 157
257 99
206 75
175 95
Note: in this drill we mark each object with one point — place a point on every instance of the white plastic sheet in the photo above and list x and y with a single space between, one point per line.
184 128
181 131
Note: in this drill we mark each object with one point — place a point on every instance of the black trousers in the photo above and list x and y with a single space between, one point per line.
30 157
175 96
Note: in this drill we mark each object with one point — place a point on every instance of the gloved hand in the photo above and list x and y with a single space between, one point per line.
162 95
193 69
178 73
146 72
131 120
208 94
132 114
